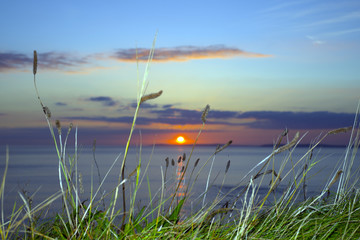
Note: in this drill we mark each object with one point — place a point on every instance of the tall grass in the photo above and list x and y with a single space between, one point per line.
243 212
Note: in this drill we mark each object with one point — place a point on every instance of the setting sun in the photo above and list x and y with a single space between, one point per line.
180 140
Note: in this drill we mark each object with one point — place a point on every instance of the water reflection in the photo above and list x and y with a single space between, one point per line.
35 169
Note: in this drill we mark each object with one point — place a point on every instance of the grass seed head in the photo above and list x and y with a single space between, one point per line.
150 96
46 111
172 162
167 162
227 166
285 132
196 162
58 126
289 145
219 149
205 113
35 63
340 130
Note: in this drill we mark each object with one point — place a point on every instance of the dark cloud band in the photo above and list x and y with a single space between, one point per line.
251 119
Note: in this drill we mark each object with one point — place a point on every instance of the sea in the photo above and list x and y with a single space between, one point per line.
33 173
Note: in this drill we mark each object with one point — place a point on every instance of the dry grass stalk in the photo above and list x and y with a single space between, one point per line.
150 96
265 173
223 147
289 145
340 130
218 211
338 174
133 172
283 134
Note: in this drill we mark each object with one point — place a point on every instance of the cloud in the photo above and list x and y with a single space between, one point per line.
167 106
315 41
140 120
10 60
105 101
348 17
103 136
342 32
297 120
48 60
71 62
58 60
61 104
183 53
144 105
250 119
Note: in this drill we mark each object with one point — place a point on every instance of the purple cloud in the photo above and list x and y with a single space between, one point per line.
105 101
48 60
61 104
297 120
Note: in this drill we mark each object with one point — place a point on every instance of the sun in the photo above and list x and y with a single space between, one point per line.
180 140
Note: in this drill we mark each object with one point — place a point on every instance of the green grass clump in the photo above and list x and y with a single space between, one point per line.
246 214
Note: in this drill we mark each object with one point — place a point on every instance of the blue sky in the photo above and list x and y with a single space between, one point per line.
261 66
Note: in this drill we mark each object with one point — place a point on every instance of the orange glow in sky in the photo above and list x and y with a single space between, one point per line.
180 140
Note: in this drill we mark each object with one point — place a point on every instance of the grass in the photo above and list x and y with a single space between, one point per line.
246 214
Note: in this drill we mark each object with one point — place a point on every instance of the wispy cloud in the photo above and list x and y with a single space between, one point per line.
342 32
48 60
73 63
184 53
315 41
337 19
105 101
60 104
10 60
144 105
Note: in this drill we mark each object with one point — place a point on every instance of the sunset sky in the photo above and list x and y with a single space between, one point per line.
262 66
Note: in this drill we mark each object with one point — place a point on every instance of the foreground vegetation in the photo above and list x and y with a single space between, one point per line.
332 214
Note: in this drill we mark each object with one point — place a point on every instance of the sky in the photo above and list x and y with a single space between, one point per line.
262 66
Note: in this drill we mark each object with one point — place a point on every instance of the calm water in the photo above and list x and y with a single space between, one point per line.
35 170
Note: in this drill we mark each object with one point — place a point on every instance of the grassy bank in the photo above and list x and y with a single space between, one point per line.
334 213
